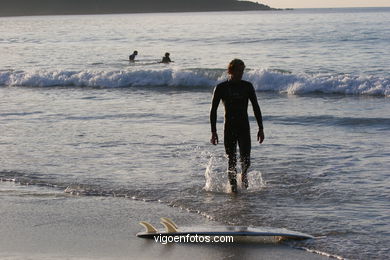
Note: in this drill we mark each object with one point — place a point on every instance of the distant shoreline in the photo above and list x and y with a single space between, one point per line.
154 12
86 7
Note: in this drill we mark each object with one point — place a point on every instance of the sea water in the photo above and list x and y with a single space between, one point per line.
75 115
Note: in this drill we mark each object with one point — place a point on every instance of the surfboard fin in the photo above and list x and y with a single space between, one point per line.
170 221
149 228
169 227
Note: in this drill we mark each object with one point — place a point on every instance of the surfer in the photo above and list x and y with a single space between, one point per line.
132 56
235 94
166 58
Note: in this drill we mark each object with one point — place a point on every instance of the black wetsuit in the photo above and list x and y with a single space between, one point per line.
132 57
235 96
166 59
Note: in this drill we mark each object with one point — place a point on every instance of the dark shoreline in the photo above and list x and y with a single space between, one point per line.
85 7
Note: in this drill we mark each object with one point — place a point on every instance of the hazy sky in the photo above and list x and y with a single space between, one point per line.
323 3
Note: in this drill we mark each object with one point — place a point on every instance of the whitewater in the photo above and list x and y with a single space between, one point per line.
263 80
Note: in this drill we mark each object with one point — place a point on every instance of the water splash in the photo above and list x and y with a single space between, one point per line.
216 179
255 181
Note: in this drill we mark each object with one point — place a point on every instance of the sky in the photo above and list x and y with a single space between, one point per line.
323 3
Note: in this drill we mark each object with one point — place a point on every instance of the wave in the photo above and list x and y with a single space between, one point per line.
326 120
263 79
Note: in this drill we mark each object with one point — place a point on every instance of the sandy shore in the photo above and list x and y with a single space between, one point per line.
40 223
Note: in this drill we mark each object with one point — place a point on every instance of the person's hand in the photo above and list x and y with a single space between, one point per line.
214 138
260 136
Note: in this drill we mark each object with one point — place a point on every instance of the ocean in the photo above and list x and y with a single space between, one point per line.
77 117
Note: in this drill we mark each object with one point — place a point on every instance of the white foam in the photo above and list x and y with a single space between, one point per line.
262 79
267 80
321 253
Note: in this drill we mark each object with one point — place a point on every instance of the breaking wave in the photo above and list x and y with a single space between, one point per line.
263 80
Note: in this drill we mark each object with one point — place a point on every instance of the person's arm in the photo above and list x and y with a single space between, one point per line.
257 112
213 116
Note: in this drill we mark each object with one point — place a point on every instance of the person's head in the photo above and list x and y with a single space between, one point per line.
167 54
135 52
236 68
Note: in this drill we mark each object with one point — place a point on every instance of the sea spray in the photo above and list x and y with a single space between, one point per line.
216 179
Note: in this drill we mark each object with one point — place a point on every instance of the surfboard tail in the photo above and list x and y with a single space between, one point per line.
149 227
169 227
170 221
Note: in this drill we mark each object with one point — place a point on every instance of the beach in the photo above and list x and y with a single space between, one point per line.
91 144
42 223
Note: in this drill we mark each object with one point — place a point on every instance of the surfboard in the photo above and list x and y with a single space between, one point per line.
171 229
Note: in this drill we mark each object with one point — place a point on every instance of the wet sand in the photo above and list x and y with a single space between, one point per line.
41 223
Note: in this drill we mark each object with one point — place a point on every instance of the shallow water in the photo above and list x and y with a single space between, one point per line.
317 173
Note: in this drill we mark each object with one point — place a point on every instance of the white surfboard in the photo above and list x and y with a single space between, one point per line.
171 229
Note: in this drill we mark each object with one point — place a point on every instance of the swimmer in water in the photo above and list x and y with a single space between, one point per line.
132 56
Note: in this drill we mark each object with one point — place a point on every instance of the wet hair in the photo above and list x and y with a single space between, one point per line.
167 54
234 64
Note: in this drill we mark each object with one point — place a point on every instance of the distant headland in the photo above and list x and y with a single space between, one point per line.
68 7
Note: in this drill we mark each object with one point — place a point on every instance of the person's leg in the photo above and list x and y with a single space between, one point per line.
244 142
230 142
